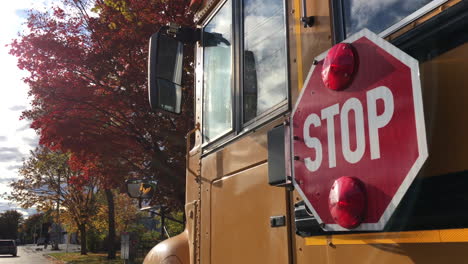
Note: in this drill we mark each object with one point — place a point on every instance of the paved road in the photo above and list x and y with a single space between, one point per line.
26 255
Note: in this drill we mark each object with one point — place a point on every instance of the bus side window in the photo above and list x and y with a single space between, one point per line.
264 71
254 41
381 17
217 68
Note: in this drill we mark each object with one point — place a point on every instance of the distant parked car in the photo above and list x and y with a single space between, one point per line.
8 247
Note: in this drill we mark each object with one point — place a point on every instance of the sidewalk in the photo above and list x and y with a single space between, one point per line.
48 250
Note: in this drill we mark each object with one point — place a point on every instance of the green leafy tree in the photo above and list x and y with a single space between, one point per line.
31 227
9 223
170 223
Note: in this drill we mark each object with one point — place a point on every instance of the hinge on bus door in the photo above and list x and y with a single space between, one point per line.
186 35
279 156
305 222
308 21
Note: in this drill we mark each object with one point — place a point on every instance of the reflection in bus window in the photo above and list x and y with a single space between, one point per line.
377 15
217 67
264 56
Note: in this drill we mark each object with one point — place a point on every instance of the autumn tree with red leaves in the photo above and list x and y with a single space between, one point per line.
48 180
88 83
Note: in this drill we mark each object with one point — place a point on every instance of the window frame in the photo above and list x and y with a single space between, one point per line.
239 127
339 28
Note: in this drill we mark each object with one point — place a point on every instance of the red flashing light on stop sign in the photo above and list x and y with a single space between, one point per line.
347 202
339 66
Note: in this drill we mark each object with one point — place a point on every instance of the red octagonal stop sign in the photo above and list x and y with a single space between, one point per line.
357 149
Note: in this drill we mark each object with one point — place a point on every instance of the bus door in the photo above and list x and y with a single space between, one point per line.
242 93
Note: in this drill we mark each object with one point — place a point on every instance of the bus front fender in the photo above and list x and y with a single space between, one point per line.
174 250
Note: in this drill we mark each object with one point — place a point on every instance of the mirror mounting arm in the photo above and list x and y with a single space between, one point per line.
187 35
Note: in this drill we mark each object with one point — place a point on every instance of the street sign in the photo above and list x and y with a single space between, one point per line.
358 133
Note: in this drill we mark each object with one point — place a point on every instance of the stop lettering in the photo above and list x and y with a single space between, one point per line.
358 133
351 106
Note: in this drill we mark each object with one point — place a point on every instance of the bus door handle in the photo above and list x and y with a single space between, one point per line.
277 221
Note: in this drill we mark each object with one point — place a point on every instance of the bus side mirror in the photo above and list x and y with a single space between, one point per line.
140 189
165 72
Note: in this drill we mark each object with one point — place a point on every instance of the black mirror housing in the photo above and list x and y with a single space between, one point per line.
165 72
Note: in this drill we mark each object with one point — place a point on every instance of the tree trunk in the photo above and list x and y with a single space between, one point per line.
82 228
57 230
111 217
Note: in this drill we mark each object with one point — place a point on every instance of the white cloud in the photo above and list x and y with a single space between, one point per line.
16 139
4 206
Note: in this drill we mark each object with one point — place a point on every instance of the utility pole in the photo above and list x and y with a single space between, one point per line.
40 226
163 222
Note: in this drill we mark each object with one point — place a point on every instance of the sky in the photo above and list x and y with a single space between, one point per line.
16 138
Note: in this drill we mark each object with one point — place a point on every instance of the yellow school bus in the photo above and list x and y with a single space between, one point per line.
251 61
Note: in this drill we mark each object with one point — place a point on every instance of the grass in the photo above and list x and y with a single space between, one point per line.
91 258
